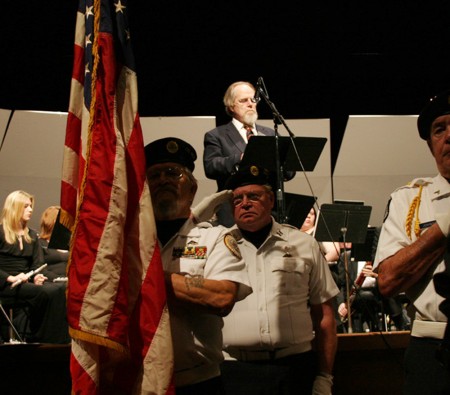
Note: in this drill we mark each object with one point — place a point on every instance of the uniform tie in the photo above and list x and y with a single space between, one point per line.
249 132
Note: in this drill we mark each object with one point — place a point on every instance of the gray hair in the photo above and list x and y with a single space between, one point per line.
230 96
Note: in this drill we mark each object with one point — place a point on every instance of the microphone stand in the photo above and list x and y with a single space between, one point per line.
281 212
277 120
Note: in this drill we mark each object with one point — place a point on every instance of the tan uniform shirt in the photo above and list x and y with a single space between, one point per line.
207 251
435 198
287 273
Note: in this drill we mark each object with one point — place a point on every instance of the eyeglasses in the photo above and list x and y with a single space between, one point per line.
173 173
238 200
246 100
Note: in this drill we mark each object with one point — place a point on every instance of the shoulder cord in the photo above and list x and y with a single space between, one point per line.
414 207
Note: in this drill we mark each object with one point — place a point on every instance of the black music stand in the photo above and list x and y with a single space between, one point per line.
346 223
309 150
365 251
297 208
60 238
261 152
277 155
336 219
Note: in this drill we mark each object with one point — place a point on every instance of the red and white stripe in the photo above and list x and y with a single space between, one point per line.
116 298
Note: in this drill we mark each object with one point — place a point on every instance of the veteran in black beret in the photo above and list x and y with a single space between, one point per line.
251 175
413 250
437 106
170 162
204 271
292 288
171 149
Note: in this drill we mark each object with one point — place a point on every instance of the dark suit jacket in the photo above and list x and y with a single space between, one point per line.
223 147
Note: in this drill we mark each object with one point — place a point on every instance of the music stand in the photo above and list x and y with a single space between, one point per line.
333 218
60 238
309 150
297 208
347 223
261 152
275 154
364 251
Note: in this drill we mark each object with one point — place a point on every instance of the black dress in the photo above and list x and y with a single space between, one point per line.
46 303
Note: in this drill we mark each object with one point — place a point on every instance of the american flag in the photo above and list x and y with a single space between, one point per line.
116 299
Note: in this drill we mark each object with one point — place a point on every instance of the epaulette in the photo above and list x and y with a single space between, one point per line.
416 183
281 230
204 224
290 226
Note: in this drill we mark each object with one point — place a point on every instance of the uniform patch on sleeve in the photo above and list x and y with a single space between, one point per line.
232 245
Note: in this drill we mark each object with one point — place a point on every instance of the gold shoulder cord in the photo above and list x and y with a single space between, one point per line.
414 209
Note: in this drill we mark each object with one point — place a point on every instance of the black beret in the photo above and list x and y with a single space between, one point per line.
437 106
170 149
250 175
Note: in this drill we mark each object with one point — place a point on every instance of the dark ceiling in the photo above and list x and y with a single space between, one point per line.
317 60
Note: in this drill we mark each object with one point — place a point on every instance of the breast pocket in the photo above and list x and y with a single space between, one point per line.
290 275
194 267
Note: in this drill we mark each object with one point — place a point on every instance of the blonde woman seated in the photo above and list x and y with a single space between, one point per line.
55 258
20 254
329 249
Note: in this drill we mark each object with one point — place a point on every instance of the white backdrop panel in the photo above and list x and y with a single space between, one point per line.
377 155
31 158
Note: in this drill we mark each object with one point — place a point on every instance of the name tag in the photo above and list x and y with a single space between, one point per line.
426 224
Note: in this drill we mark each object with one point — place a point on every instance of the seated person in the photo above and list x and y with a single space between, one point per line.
20 256
329 249
365 302
56 259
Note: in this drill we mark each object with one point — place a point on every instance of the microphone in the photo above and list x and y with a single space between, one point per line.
257 97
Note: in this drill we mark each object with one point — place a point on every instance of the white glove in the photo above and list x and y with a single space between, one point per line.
209 205
322 384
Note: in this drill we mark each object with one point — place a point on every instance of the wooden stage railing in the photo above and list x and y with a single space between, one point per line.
370 363
366 363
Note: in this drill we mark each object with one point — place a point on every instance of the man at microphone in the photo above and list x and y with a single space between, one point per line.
225 145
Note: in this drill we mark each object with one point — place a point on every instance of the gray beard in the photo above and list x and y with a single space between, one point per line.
250 119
